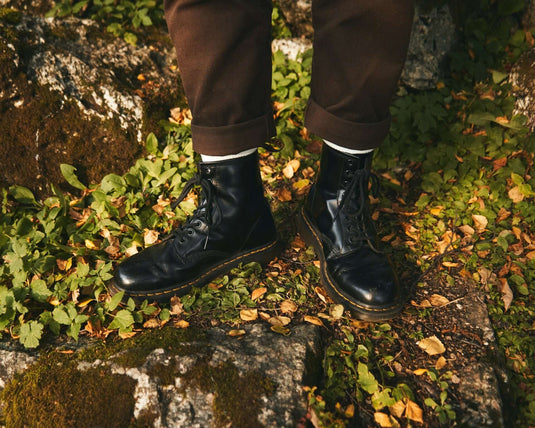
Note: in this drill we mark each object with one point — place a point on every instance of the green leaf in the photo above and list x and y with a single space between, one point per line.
114 301
367 380
60 315
151 144
68 173
30 334
122 320
22 194
39 291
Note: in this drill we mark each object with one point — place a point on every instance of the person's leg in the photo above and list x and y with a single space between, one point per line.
223 49
224 56
359 50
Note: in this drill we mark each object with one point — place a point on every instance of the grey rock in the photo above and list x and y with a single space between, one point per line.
298 15
479 393
165 394
432 36
522 79
291 47
72 93
12 362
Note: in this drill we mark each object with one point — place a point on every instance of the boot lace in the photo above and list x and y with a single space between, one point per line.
355 206
202 216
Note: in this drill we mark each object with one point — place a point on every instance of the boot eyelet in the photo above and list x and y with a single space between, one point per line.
190 232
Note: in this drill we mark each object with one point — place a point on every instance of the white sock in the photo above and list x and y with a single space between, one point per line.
209 158
346 150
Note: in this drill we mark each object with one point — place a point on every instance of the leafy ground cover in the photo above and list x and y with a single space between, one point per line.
456 212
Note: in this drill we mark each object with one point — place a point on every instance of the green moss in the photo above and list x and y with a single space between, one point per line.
237 396
54 392
9 15
133 352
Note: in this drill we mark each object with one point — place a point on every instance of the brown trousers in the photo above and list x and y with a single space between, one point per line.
224 55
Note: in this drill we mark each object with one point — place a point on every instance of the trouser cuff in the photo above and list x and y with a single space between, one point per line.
352 135
232 139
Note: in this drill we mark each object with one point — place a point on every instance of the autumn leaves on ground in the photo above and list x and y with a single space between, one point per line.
455 213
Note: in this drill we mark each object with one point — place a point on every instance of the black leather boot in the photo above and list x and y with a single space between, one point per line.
232 224
336 221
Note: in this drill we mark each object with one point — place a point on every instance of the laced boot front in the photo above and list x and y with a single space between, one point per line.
336 221
232 225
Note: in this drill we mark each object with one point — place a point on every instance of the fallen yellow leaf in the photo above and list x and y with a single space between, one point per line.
337 311
181 324
150 237
350 411
151 323
288 307
516 195
441 363
432 345
438 300
313 320
419 372
414 412
236 333
480 222
397 409
285 331
249 314
382 419
257 292
279 320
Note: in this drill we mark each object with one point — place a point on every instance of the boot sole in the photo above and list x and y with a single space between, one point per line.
262 255
360 311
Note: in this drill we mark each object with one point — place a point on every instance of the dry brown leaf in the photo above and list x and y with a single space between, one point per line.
151 323
257 292
398 408
516 195
288 307
467 230
150 236
321 294
264 316
236 333
507 293
127 335
176 306
130 251
313 320
531 255
441 363
480 222
414 412
438 300
284 194
432 345
382 419
249 314
279 320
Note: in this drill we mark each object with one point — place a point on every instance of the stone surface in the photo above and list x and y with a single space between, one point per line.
522 78
480 401
170 390
432 36
72 93
291 47
298 16
433 33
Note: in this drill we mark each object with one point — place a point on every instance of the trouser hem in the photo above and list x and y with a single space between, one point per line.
232 139
351 135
